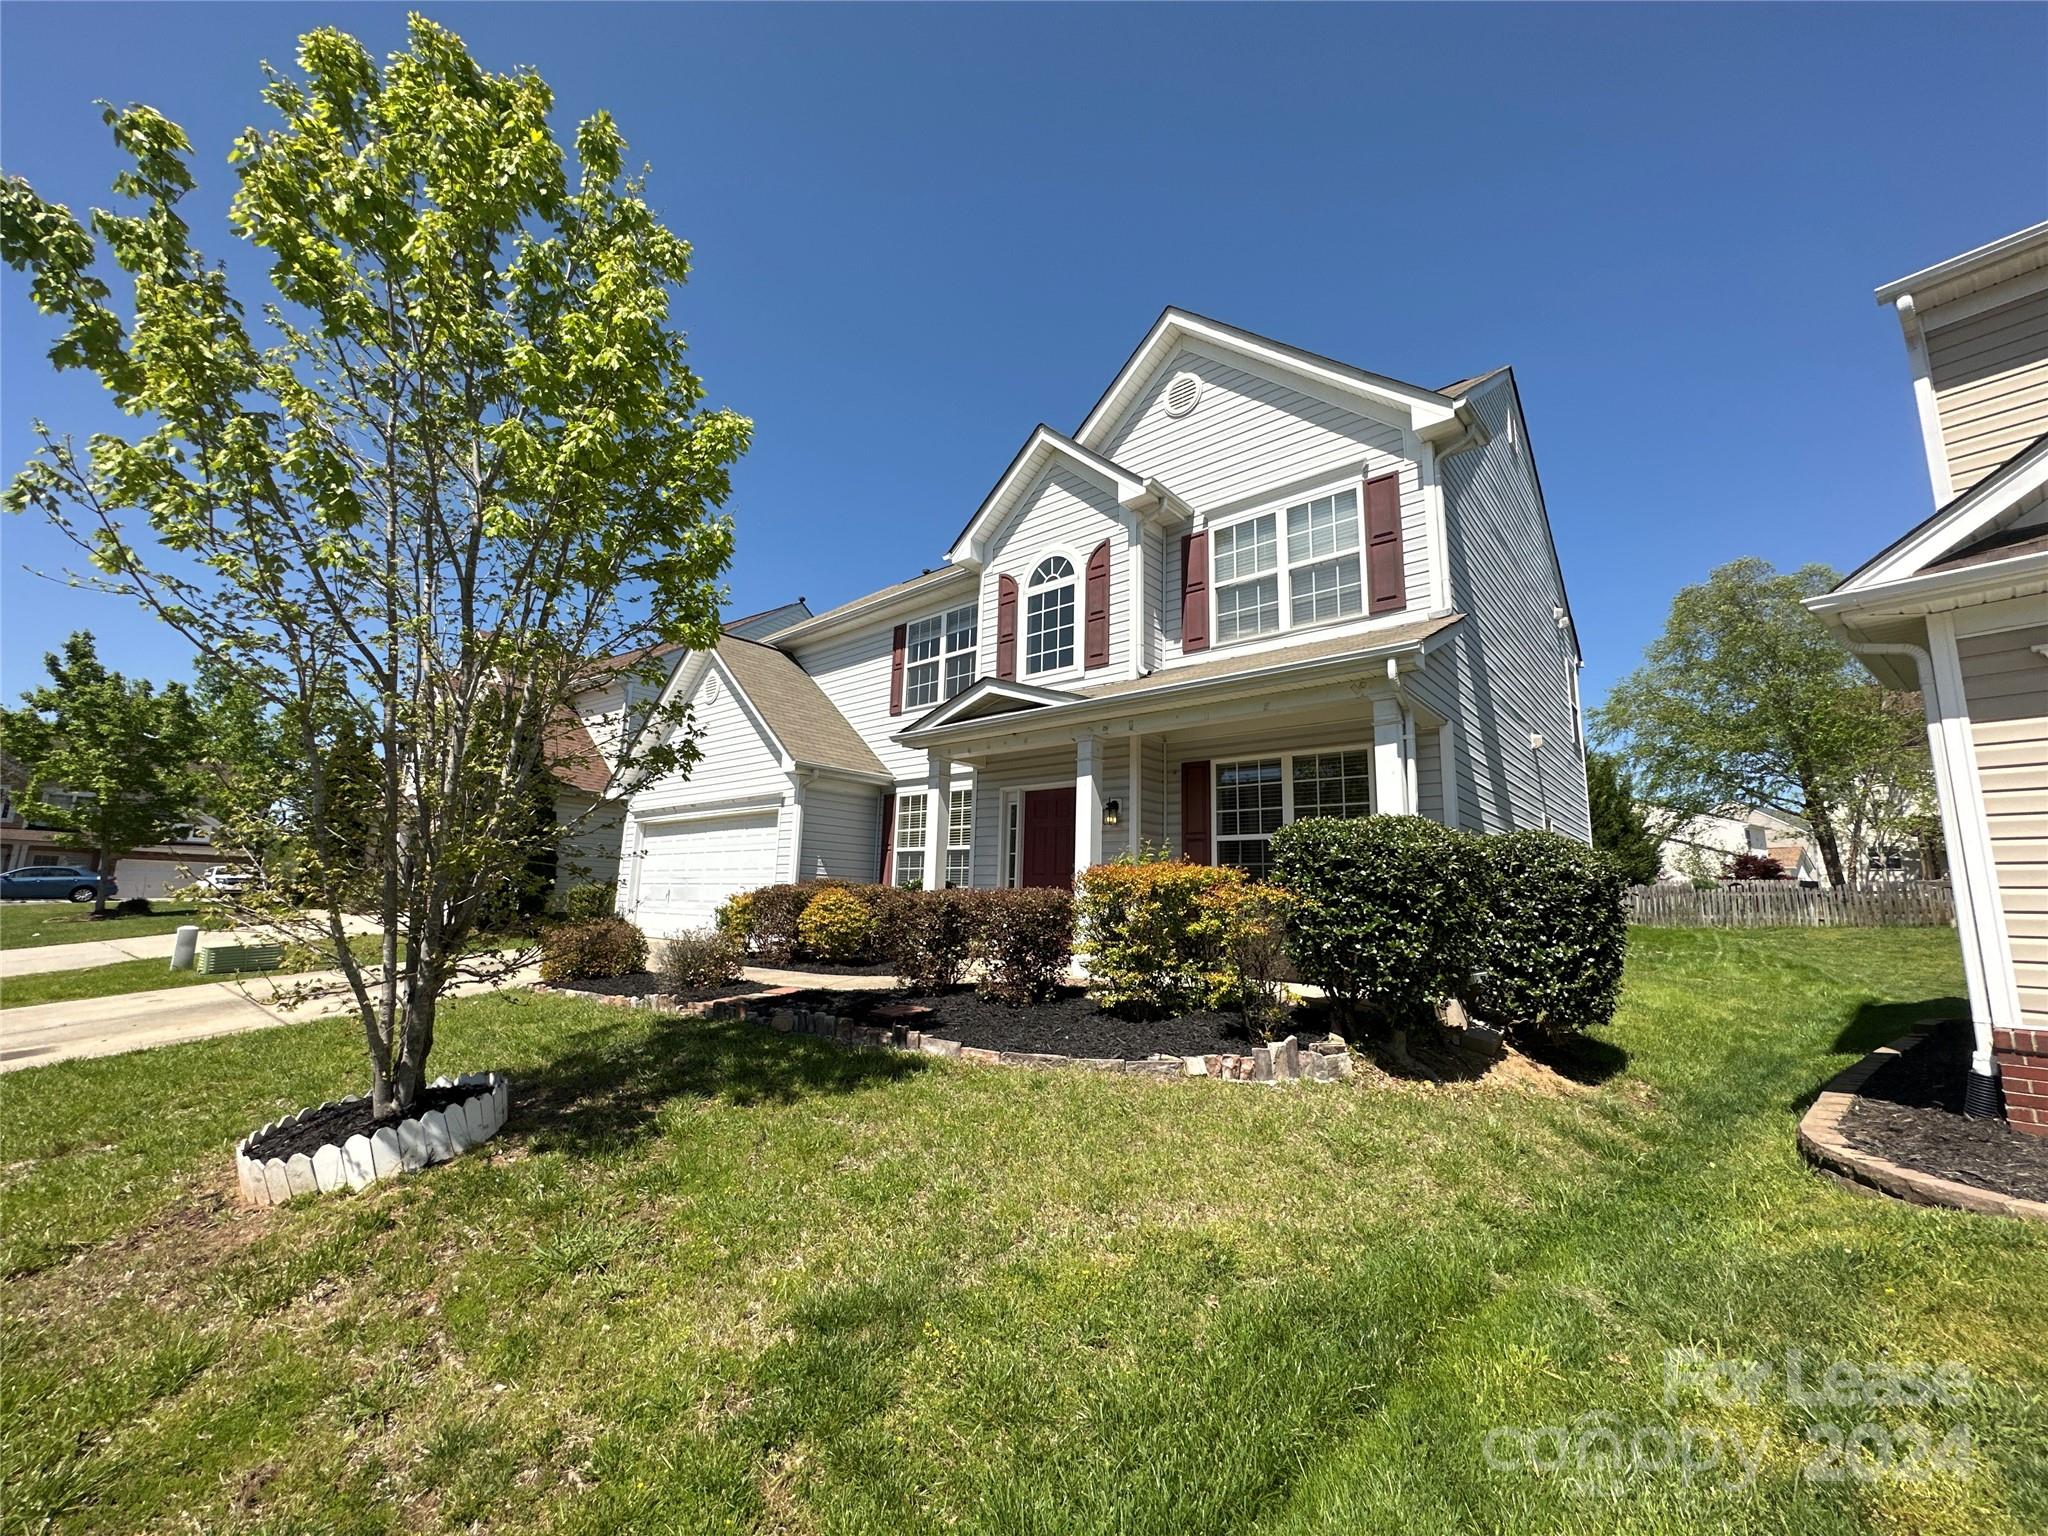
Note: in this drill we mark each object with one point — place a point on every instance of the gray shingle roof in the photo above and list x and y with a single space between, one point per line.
795 708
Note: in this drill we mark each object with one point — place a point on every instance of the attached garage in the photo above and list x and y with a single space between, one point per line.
689 865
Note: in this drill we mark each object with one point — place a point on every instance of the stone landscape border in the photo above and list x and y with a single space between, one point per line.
1287 1060
1824 1145
407 1147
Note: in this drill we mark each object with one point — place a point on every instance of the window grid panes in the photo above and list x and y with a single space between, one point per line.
1332 784
960 838
1320 578
1247 593
940 649
1250 805
910 830
1049 617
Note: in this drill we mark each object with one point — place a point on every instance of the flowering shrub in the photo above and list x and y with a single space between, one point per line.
837 926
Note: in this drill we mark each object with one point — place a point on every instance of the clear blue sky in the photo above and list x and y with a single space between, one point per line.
921 231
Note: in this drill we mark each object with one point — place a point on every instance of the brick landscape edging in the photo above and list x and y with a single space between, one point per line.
407 1147
1822 1142
1284 1061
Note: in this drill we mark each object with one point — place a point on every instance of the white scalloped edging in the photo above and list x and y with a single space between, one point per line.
406 1147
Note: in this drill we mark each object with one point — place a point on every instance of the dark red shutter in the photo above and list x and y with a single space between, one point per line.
896 671
1006 627
1096 633
888 839
1194 812
1194 591
1386 576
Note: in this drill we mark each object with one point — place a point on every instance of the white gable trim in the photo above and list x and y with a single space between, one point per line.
1962 520
1024 695
1404 405
689 677
1043 446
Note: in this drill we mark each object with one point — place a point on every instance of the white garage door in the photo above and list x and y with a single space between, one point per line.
687 868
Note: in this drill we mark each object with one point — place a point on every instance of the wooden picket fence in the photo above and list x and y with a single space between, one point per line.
1922 904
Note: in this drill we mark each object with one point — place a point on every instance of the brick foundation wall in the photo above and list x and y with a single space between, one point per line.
2022 1056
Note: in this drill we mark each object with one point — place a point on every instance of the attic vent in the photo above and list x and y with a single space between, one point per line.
1182 394
710 689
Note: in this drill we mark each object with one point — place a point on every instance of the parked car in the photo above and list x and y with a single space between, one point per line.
54 882
226 879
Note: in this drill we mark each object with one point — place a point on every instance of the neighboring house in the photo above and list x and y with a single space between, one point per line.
1703 847
1958 608
1255 584
146 872
582 749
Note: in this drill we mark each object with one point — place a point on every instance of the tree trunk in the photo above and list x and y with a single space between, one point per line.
1830 848
99 886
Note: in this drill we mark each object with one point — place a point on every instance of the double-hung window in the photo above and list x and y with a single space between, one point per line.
938 657
1317 576
1255 797
960 838
1049 616
911 827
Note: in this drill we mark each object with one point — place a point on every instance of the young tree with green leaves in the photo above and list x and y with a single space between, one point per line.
121 753
466 456
1746 700
1619 827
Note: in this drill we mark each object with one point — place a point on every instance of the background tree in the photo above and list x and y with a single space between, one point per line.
1755 866
1746 700
468 457
123 753
1619 826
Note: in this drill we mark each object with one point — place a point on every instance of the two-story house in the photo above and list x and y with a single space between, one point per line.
1958 608
1254 584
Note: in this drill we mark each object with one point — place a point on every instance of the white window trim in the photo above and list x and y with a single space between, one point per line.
1277 509
899 866
1010 835
1217 765
1077 581
946 652
966 844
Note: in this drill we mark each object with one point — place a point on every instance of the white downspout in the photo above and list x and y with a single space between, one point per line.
1982 1099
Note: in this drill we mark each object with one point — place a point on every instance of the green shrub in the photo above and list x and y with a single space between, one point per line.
134 906
592 951
1249 923
1556 930
926 936
837 927
580 903
1024 941
735 918
777 909
1150 941
699 958
1387 910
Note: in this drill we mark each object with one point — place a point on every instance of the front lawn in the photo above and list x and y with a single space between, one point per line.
24 924
710 1278
125 976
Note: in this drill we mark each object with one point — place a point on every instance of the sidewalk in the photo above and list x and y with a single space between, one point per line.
134 1021
87 953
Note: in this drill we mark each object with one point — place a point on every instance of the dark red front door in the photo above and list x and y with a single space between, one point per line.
1048 837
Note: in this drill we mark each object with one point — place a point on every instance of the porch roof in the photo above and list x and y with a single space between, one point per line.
960 719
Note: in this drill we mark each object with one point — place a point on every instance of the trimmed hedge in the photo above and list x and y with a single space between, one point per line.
777 911
1387 910
1152 941
926 936
580 903
1549 954
701 958
592 951
1025 944
838 926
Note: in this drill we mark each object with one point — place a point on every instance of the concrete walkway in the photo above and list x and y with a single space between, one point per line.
134 1021
87 953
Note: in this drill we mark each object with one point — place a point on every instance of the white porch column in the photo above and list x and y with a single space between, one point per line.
1391 785
939 783
1134 802
1088 767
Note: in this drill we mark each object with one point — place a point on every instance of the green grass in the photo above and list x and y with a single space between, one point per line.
714 1279
24 924
152 975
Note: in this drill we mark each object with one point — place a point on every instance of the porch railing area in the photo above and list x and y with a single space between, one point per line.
1919 904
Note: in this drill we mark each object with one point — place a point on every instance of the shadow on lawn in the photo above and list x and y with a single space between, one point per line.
610 1090
1876 1024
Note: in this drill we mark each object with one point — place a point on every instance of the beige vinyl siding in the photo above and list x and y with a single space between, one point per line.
1251 439
2006 684
842 831
1990 377
1066 512
1512 663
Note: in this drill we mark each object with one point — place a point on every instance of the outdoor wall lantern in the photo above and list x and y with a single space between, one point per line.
1112 812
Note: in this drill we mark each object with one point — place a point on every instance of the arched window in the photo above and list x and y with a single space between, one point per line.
1049 616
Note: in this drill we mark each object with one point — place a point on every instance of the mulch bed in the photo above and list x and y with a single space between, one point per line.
1911 1111
820 968
646 984
335 1125
1069 1025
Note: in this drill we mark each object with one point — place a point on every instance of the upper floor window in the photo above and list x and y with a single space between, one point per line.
1049 616
938 654
1319 579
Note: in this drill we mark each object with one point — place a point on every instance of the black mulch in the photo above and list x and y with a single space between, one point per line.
819 968
1070 1025
1911 1111
312 1132
646 984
